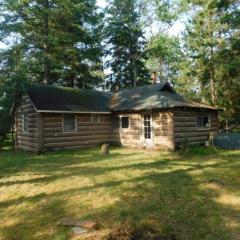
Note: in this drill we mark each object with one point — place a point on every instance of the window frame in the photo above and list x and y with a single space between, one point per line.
25 127
63 122
97 119
147 126
121 125
202 126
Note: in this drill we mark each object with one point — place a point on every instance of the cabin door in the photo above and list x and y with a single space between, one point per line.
147 131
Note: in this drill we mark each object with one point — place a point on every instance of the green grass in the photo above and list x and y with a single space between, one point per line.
195 195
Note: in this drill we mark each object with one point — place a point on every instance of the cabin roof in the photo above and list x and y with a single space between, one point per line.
63 99
157 96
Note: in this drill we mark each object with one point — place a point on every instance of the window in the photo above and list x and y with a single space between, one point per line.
124 122
203 121
24 123
95 118
147 126
69 123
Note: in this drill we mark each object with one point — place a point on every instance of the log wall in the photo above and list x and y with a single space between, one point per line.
87 133
186 129
169 129
28 140
131 136
163 130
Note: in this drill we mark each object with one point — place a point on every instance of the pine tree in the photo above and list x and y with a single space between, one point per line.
59 39
165 55
125 45
213 45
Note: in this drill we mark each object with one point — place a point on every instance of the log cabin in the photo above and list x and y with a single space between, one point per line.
146 117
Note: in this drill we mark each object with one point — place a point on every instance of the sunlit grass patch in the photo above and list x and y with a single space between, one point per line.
193 195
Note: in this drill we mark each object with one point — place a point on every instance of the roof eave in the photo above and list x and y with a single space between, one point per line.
59 111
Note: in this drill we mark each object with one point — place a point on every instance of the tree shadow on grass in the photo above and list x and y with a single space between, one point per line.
38 221
174 199
11 163
175 202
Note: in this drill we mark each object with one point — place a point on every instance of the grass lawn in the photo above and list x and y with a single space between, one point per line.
195 195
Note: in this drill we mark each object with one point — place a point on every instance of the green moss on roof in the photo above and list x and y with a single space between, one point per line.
157 96
52 98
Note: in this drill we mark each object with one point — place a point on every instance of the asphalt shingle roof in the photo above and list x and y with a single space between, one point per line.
52 98
64 99
151 97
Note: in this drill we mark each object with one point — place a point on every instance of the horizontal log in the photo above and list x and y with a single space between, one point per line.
27 143
130 130
76 138
29 125
162 134
162 128
26 148
161 123
132 137
29 120
130 141
192 129
102 118
134 122
29 115
76 143
70 147
185 124
27 104
80 117
190 112
78 133
89 125
27 139
27 134
132 146
52 119
135 128
27 111
80 129
192 139
191 134
185 119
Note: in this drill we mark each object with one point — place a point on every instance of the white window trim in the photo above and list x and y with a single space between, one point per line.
23 116
120 119
75 123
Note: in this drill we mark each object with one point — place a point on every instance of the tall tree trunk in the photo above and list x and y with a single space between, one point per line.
134 73
161 70
45 44
212 70
213 89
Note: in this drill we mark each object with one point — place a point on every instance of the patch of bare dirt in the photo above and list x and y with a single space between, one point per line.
138 233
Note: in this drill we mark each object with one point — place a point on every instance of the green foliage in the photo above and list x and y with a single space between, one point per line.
60 40
165 55
212 44
55 42
12 79
125 45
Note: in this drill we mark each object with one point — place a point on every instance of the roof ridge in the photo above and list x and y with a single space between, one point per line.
162 84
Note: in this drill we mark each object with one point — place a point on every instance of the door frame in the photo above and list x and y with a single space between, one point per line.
151 145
